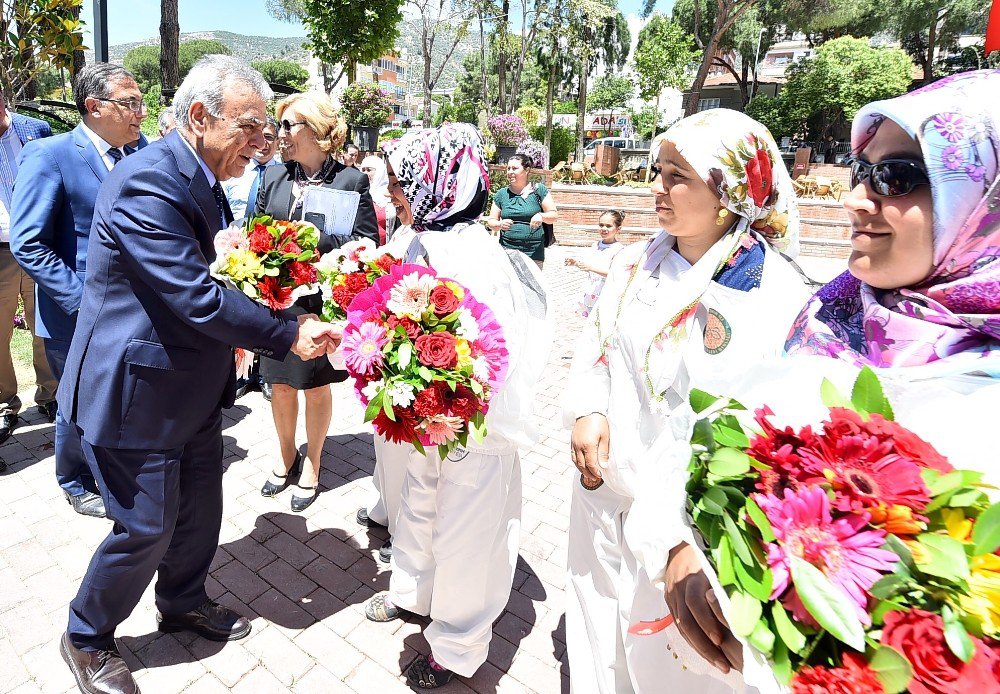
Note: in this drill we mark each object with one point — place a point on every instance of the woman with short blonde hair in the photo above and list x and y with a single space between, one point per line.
320 114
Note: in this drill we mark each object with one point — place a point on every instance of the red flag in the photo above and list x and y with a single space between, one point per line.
993 29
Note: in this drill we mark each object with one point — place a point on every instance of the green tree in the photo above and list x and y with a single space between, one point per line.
662 55
611 93
774 114
144 63
190 51
282 72
33 37
925 25
844 75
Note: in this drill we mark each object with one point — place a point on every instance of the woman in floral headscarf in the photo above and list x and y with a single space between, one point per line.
695 307
923 287
455 539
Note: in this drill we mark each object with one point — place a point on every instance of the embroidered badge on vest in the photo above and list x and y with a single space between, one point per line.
717 332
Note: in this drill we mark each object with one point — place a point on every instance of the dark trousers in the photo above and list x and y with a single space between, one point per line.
167 509
72 471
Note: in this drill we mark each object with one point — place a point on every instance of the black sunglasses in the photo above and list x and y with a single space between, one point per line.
287 125
890 178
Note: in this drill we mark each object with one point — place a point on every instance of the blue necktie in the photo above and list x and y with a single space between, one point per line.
254 187
116 156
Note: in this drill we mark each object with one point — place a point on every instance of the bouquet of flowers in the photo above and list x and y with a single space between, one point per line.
269 260
348 271
855 557
426 357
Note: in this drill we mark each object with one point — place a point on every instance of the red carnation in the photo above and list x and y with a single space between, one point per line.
291 248
261 240
343 296
403 430
443 300
919 636
386 262
412 328
302 273
855 677
430 401
437 350
273 294
462 402
357 282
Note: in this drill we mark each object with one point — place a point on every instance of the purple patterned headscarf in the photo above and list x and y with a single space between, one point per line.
955 312
443 173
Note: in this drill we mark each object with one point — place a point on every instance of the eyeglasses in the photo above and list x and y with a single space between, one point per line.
287 125
133 104
890 178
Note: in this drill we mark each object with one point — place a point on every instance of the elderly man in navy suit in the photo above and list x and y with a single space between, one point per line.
17 131
53 205
151 365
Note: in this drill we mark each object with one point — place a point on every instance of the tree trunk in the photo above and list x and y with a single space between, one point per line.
581 108
482 61
352 71
170 35
428 87
503 37
656 120
78 56
743 83
550 98
929 58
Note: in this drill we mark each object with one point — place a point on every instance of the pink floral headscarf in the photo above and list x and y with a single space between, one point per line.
955 312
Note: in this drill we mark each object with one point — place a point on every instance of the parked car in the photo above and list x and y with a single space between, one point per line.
619 142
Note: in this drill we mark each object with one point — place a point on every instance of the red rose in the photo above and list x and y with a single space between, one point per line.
357 282
302 273
759 177
462 402
273 294
855 677
919 636
430 401
261 240
403 430
386 262
412 328
437 350
443 300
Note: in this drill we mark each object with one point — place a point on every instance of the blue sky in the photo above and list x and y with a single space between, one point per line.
134 20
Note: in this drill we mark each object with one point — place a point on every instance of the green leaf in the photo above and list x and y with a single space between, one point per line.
789 633
893 669
728 432
744 614
425 373
986 531
740 545
759 519
831 396
965 497
781 663
868 395
724 564
729 462
887 586
703 435
945 557
762 638
946 483
714 501
897 547
700 400
387 408
956 636
374 405
827 603
405 352
419 447
754 581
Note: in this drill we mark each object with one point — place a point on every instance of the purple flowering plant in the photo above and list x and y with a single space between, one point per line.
537 151
507 130
365 105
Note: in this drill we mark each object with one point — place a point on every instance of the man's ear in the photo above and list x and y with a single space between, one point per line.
90 104
198 118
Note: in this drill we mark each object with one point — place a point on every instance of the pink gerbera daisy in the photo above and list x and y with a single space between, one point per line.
848 555
230 239
363 348
441 429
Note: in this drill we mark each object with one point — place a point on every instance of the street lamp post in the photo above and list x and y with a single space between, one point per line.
756 64
100 31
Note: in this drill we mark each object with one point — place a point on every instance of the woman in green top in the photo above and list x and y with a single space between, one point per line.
519 210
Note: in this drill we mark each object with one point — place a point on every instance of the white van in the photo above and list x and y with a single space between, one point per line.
619 142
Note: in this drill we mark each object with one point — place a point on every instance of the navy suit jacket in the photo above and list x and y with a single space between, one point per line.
53 206
151 359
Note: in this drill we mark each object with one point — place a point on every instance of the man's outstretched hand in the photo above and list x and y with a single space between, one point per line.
315 338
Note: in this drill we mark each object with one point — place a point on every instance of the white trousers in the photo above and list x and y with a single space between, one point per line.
455 547
608 592
390 470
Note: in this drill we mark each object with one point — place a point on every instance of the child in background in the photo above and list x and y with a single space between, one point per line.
597 260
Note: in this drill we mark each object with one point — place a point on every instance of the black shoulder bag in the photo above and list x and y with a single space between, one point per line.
549 229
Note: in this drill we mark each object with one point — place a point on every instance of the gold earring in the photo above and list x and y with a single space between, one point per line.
723 213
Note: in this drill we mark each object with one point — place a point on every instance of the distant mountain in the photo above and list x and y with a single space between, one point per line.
248 48
409 42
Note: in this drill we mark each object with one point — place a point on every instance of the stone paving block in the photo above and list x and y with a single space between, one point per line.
259 681
331 577
229 662
241 581
286 615
287 579
341 552
379 643
369 677
12 669
333 653
280 655
319 680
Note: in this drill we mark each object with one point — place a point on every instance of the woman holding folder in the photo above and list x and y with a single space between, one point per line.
309 186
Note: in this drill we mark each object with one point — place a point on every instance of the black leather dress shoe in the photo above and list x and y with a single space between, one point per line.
211 621
98 672
364 519
385 552
49 410
7 424
87 504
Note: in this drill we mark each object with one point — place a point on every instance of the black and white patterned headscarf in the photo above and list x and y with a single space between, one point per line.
443 173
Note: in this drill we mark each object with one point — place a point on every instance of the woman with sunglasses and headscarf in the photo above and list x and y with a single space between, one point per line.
919 303
309 132
456 537
695 307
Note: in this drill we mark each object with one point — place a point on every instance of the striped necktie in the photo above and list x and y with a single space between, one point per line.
115 155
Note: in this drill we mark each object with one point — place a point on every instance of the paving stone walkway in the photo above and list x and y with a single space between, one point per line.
303 578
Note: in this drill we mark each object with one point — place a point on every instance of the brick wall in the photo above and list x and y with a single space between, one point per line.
825 227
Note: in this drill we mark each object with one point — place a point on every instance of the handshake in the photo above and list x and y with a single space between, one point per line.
315 338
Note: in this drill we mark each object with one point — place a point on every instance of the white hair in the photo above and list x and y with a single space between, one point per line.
209 80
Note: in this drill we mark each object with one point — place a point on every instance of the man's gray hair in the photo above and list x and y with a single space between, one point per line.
96 81
166 116
209 80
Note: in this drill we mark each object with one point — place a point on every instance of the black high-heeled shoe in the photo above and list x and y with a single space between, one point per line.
272 489
300 503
